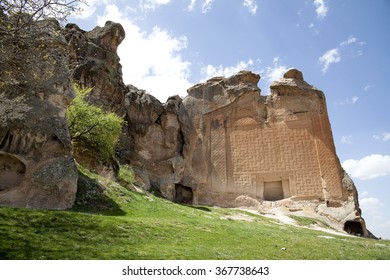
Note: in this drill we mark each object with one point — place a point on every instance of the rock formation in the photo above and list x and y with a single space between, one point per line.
37 169
242 149
153 140
96 64
224 144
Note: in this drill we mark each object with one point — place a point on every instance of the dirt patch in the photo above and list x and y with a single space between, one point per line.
238 217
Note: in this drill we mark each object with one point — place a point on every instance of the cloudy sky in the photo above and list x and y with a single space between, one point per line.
341 46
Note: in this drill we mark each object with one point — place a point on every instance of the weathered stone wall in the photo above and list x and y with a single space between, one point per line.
270 148
242 149
95 63
37 169
253 144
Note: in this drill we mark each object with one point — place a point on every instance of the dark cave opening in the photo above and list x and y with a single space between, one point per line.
354 227
183 194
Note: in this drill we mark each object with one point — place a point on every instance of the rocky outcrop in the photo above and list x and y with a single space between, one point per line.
96 64
36 165
153 142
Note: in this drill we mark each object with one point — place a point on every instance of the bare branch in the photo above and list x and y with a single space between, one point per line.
79 135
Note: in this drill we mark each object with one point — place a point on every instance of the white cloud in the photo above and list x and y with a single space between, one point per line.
374 213
367 87
152 4
211 71
371 205
351 39
207 5
329 57
251 5
369 167
321 8
191 6
352 100
333 55
346 139
89 8
275 72
151 61
384 136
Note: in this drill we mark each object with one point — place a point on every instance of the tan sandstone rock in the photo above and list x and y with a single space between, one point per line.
241 148
96 64
153 142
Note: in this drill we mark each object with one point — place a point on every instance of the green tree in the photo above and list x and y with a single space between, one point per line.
92 128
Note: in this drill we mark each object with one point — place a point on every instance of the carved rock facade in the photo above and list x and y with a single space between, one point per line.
246 150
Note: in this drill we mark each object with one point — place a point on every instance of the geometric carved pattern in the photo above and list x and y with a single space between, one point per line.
246 150
276 149
218 153
245 121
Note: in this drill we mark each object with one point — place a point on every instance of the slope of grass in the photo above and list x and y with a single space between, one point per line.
109 221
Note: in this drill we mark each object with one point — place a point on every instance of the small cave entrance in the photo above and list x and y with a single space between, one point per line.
12 171
183 194
273 191
354 228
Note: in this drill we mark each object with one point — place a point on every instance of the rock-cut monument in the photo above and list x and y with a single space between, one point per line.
242 149
224 144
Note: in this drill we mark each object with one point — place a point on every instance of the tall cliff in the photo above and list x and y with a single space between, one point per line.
36 165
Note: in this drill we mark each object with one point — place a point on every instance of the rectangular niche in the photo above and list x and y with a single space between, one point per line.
273 191
273 186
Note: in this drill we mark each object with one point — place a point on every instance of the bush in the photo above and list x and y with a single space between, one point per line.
126 176
92 128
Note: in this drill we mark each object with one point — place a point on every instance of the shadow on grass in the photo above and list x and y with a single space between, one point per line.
91 198
201 208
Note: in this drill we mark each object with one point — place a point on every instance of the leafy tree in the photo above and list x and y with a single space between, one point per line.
92 128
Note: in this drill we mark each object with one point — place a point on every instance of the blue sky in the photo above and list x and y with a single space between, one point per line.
341 46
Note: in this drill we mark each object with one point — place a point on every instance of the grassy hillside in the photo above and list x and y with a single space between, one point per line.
111 222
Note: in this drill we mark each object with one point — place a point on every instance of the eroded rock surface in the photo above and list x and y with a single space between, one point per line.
153 141
96 64
242 149
36 165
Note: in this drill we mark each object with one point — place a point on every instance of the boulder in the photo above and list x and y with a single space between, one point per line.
293 73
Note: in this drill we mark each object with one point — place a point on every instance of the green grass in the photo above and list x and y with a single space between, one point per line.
308 222
109 221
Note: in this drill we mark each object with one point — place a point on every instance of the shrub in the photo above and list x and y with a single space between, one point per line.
92 128
126 176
